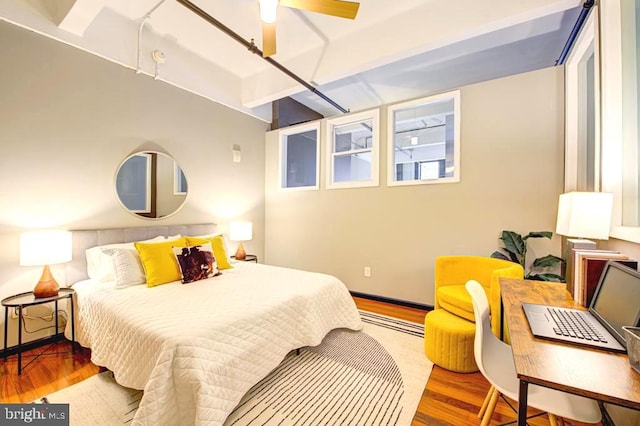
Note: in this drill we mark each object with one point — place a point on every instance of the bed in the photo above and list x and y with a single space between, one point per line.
196 349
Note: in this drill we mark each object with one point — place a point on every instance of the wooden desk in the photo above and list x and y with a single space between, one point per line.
596 374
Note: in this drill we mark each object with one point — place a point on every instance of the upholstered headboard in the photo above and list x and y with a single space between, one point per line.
76 270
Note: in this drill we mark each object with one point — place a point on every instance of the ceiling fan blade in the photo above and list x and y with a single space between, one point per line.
268 39
342 9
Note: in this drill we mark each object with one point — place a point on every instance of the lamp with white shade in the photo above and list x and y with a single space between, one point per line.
44 248
240 231
583 215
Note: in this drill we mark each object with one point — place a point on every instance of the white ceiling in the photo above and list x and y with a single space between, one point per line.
392 51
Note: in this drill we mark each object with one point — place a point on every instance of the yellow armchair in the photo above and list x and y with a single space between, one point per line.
449 329
452 273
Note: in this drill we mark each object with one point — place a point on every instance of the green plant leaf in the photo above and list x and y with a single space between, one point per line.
545 277
547 261
533 277
498 255
556 277
513 257
513 243
515 250
539 234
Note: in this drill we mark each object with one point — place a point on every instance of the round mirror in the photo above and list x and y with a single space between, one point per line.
151 185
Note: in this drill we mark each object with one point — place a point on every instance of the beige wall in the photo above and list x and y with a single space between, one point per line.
511 176
67 121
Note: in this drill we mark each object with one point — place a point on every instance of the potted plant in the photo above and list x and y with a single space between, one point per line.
515 250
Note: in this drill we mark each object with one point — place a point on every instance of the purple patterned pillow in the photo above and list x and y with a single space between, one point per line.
196 262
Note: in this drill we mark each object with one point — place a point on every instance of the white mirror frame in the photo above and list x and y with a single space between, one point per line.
612 114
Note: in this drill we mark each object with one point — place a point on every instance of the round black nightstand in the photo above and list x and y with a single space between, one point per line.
248 258
23 300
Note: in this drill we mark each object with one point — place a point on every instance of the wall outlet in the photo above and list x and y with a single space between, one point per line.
367 271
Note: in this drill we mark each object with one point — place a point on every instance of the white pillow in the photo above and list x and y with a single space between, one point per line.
127 267
100 264
174 237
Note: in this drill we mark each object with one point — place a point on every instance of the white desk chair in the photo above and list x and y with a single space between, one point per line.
495 361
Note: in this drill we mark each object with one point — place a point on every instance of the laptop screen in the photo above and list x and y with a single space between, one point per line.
617 298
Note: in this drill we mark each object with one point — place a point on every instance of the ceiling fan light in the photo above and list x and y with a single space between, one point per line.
268 10
414 140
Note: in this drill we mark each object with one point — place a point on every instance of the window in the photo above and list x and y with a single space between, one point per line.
582 112
299 154
352 150
424 141
179 180
619 94
133 183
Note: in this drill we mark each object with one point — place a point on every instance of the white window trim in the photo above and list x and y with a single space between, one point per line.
587 40
147 195
374 116
302 128
391 137
177 181
612 115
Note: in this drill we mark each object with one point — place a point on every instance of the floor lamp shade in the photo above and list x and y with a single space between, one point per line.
240 231
44 248
585 215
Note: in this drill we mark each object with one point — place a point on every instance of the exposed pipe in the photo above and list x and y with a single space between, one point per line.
144 21
586 7
251 46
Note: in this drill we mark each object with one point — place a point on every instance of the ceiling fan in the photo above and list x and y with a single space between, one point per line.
269 8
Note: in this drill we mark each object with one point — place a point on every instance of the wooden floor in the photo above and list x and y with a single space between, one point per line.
448 399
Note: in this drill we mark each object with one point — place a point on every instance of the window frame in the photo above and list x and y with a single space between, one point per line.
613 115
146 180
391 164
330 124
180 185
293 130
577 174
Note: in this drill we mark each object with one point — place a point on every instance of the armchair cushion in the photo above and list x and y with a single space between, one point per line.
456 299
451 274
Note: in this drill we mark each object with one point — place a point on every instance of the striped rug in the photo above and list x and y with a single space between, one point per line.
371 377
412 328
349 379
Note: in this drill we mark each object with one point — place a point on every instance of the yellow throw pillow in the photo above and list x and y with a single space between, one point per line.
219 250
159 262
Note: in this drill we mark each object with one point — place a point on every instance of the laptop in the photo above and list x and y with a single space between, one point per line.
616 303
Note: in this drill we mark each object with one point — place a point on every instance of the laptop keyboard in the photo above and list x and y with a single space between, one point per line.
573 324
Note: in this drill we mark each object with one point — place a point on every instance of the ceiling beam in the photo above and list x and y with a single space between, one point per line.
410 33
79 14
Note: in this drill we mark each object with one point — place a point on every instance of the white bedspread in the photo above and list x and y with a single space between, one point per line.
197 348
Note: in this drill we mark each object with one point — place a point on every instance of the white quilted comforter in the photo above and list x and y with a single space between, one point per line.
196 349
